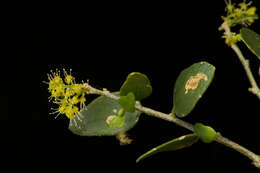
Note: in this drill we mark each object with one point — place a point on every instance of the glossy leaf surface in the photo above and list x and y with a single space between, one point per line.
128 102
94 119
138 84
252 40
173 145
190 86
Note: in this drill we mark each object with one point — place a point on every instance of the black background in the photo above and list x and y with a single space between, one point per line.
103 42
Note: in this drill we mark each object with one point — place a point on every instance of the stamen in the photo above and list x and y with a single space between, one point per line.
79 118
80 115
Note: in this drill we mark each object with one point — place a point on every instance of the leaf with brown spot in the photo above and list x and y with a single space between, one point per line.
94 119
190 86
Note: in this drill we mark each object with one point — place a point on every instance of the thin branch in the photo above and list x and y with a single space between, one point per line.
255 89
141 108
169 117
255 158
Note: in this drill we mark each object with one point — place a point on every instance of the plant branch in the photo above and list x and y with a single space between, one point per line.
245 62
171 118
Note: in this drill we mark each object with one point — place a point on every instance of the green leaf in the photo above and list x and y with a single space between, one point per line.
190 86
252 40
121 112
206 133
94 119
173 145
116 121
138 84
128 102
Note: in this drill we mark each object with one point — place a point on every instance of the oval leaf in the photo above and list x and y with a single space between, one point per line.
252 40
128 102
94 119
173 145
190 86
207 134
138 84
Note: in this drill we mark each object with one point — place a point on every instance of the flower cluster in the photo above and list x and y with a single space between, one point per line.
243 13
233 38
66 93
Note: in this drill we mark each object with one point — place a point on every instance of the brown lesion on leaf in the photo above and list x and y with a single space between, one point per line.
110 118
193 82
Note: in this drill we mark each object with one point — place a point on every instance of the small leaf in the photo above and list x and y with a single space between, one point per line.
116 121
94 119
173 145
252 40
190 86
206 133
138 84
128 102
121 112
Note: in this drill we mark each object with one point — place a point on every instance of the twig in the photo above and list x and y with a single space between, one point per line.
255 89
169 117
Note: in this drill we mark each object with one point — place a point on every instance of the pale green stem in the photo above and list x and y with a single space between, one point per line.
245 62
169 117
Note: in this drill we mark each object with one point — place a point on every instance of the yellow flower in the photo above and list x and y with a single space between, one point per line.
62 109
82 100
228 40
238 12
74 100
59 91
251 11
67 95
251 20
71 111
230 8
69 92
243 5
64 101
243 13
57 80
69 79
78 88
231 39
